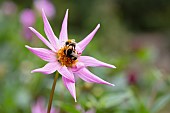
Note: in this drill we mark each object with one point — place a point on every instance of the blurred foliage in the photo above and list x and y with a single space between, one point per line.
142 58
147 15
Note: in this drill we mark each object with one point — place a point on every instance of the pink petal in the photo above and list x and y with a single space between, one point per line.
90 61
77 67
63 33
86 40
87 76
49 32
78 49
70 86
48 68
43 53
66 73
52 67
42 38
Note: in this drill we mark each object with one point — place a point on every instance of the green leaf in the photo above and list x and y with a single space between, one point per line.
160 103
114 99
69 108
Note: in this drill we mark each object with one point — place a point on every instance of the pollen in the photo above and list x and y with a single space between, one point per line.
63 59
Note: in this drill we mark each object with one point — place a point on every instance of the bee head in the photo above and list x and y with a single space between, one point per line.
68 42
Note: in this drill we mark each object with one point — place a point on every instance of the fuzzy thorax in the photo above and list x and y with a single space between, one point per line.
65 60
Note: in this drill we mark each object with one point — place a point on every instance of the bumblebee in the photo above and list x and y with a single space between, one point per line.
70 50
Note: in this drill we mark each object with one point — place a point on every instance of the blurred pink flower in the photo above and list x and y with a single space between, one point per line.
46 5
27 18
65 56
39 107
9 8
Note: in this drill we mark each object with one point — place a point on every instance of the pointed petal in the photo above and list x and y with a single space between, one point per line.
70 86
63 32
48 68
49 32
66 73
52 67
87 76
43 53
90 61
86 40
42 38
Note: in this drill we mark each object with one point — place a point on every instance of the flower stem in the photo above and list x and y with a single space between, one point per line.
52 93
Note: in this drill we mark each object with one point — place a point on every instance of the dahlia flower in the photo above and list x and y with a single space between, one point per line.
27 18
65 57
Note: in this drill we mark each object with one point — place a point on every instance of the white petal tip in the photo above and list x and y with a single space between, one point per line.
112 84
113 66
43 14
75 100
27 46
34 71
98 25
30 28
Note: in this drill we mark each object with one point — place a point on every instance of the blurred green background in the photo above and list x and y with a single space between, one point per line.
134 36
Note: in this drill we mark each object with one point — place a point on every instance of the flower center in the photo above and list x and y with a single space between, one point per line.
67 55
